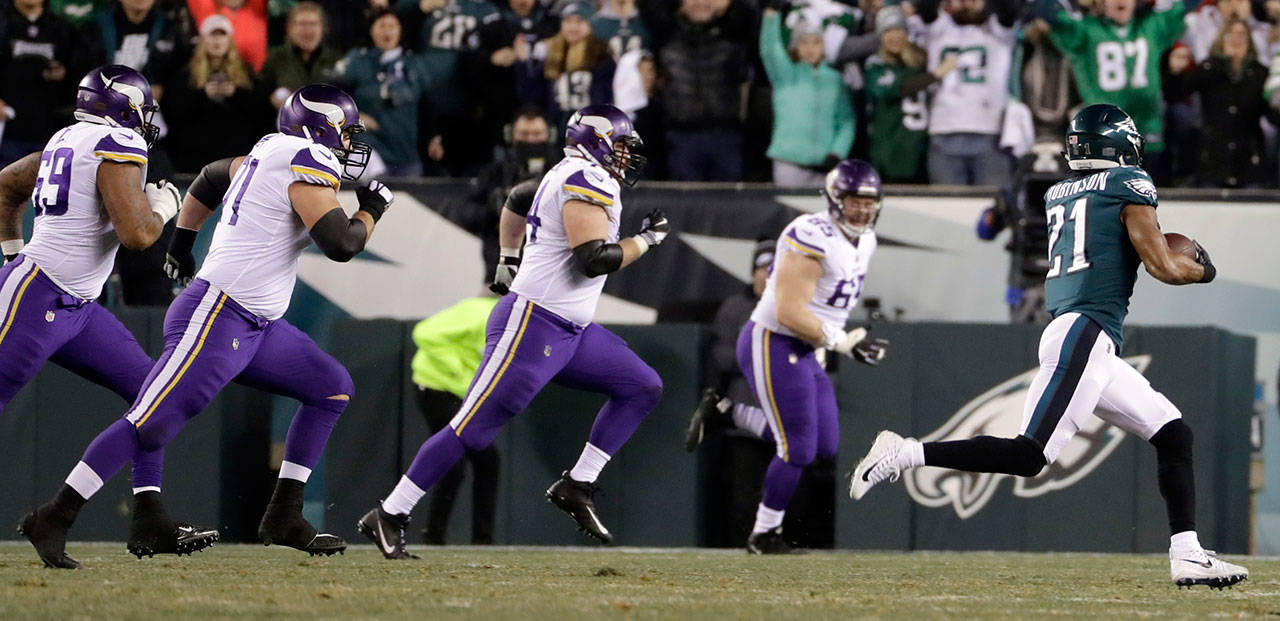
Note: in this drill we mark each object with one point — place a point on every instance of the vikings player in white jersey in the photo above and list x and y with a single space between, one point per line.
821 262
87 189
542 330
227 324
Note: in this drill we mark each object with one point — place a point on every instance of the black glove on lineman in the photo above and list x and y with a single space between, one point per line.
1202 257
179 264
870 351
374 198
654 228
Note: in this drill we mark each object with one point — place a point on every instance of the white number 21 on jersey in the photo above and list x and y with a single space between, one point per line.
1058 220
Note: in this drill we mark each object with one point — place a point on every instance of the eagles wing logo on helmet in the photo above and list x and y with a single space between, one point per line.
1131 133
998 412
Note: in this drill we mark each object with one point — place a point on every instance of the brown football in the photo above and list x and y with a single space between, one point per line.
1181 244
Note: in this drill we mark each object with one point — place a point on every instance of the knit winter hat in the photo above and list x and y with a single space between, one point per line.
890 17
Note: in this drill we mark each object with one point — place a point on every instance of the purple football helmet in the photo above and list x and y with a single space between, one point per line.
853 178
327 116
605 135
118 96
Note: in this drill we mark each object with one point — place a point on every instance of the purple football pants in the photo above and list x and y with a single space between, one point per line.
526 347
211 340
39 322
799 403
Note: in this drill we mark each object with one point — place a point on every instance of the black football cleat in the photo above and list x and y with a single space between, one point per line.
49 536
285 526
387 532
770 542
172 538
706 416
575 498
153 532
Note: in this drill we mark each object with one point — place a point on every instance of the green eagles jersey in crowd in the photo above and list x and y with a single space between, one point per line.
1120 65
444 34
898 125
623 34
1093 265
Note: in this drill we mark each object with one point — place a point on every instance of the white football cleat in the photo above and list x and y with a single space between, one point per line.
880 463
1198 566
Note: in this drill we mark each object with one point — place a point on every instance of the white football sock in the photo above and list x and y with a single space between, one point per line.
589 465
767 519
912 454
84 480
403 498
1185 540
290 470
749 418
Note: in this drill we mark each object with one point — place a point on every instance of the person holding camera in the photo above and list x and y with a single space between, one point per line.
34 87
211 108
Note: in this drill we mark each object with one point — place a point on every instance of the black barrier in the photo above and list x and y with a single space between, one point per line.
218 468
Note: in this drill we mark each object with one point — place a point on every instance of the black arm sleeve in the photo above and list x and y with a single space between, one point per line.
340 237
597 258
212 183
520 199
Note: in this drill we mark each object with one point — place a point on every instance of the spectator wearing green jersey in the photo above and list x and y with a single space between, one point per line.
387 83
896 95
450 345
449 43
76 12
1116 59
813 122
618 24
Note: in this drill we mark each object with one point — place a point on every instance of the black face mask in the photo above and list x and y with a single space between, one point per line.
532 159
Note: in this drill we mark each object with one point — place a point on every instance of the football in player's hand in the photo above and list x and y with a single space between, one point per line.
1181 244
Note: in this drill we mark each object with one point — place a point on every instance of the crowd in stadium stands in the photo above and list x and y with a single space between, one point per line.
931 91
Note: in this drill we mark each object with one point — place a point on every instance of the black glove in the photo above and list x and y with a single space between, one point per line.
505 272
1202 257
179 264
870 351
654 228
374 198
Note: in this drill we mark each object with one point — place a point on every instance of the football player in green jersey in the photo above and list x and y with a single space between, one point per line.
1102 223
1116 58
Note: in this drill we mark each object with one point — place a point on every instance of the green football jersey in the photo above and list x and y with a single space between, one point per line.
623 34
1120 65
1092 263
899 125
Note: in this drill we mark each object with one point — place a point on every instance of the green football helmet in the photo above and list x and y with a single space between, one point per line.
1103 136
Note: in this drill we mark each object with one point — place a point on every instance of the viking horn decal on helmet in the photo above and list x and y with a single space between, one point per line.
331 112
134 93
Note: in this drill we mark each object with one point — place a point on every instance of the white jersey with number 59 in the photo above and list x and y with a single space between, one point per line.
73 240
549 276
254 254
844 267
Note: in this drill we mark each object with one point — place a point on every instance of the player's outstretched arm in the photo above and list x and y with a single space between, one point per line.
1161 262
17 182
138 214
340 238
203 196
587 227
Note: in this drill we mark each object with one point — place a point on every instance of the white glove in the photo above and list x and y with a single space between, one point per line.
164 198
842 342
505 272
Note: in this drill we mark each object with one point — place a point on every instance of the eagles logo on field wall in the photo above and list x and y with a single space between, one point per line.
998 412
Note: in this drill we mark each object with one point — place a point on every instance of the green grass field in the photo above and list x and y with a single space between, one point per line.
575 583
